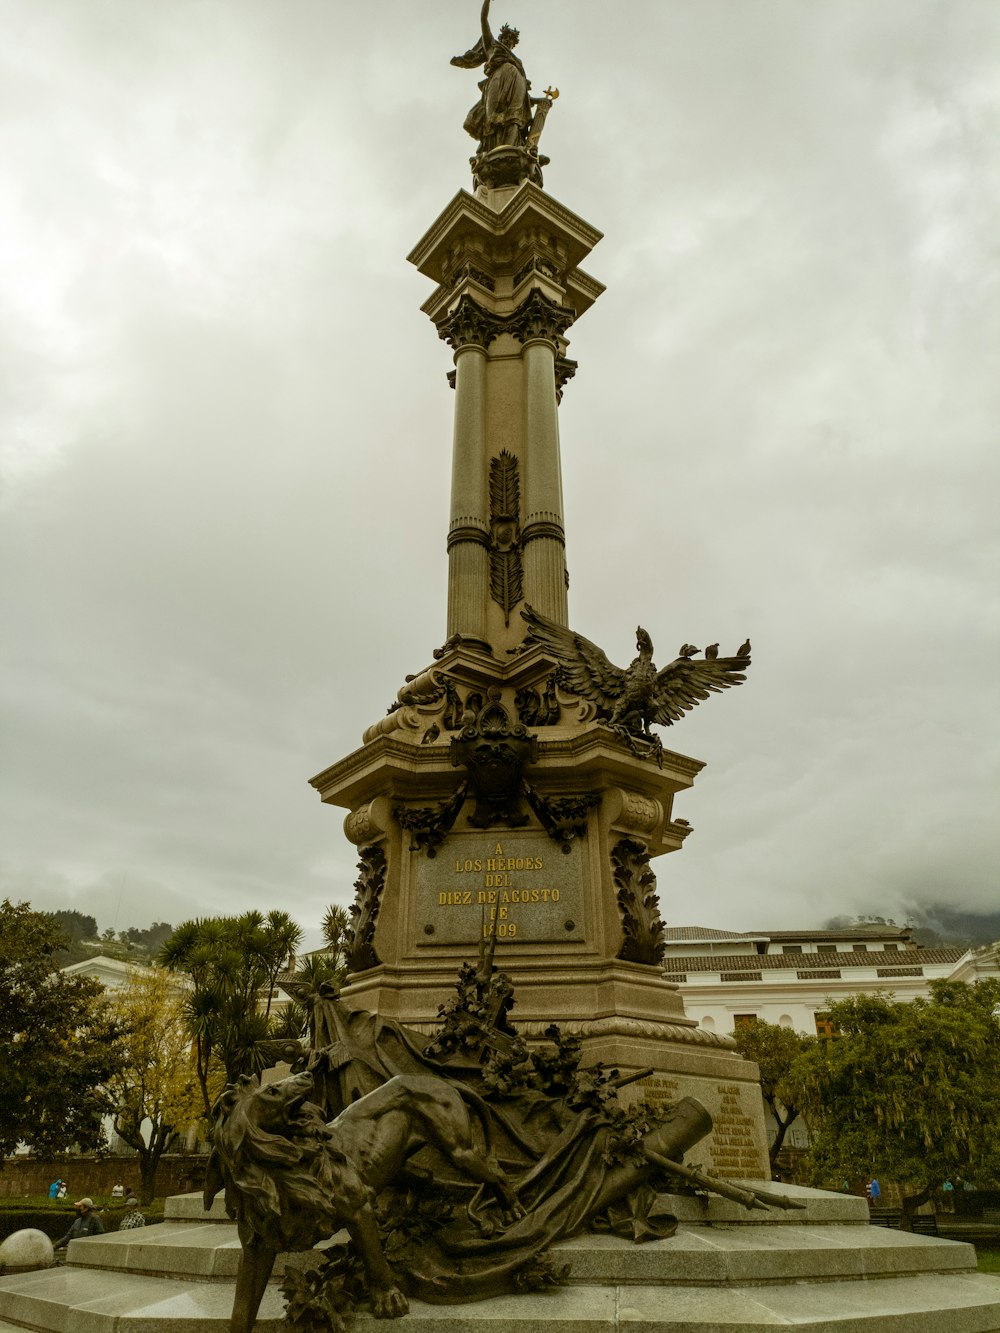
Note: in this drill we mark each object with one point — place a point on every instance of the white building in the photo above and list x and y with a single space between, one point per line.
790 977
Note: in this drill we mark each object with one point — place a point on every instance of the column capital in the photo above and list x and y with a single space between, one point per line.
538 318
469 325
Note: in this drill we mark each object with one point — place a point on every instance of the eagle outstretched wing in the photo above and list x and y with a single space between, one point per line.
584 667
685 682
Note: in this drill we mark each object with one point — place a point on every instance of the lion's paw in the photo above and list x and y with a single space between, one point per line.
389 1303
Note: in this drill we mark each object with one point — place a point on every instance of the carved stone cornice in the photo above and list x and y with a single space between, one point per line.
620 1026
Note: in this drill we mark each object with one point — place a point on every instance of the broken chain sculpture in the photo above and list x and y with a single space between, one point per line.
400 1141
633 698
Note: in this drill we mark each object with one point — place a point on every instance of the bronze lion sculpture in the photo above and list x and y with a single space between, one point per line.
291 1179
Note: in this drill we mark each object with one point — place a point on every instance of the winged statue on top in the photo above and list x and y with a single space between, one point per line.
633 698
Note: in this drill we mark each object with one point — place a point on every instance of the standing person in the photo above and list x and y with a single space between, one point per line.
118 1191
947 1197
86 1223
874 1192
62 1190
54 1188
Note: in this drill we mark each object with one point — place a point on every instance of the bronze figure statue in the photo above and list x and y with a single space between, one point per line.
632 699
401 1142
507 121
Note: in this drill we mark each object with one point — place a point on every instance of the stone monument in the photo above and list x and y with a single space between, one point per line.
515 789
508 808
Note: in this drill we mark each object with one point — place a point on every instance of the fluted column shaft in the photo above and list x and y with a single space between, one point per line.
543 532
468 529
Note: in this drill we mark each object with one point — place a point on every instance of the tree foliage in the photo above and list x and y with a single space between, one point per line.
233 963
58 1042
154 1088
75 925
777 1051
149 939
911 1089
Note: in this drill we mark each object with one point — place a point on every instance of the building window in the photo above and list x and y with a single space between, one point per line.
827 948
792 948
743 1020
739 976
890 948
825 1026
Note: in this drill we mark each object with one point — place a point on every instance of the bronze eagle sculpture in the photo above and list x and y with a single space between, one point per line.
632 699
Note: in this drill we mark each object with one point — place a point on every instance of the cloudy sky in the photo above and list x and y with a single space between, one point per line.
226 428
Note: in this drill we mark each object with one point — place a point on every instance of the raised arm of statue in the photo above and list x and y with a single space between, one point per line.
484 19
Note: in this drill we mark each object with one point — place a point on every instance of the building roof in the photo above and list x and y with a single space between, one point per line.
803 962
680 934
676 934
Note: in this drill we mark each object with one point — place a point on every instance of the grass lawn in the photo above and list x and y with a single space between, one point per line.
988 1261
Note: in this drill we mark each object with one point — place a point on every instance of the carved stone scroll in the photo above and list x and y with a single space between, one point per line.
639 904
364 910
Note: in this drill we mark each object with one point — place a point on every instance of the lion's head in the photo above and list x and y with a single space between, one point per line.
271 1152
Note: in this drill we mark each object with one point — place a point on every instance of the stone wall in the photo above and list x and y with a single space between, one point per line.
21 1176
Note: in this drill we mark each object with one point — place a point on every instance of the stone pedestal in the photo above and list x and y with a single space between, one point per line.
553 862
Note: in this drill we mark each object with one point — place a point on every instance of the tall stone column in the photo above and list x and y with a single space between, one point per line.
468 530
543 535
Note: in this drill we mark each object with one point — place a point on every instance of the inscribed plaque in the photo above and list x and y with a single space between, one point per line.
519 886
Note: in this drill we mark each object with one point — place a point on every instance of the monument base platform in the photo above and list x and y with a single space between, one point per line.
823 1269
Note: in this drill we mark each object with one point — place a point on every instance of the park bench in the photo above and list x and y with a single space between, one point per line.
886 1217
991 1216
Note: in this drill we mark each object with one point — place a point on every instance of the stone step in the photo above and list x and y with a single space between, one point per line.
92 1301
818 1207
721 1254
733 1255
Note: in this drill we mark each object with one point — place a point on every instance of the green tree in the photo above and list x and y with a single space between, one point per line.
777 1051
910 1090
153 1088
75 925
58 1041
233 963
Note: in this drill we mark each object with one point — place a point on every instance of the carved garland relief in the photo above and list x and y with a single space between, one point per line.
638 903
506 570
